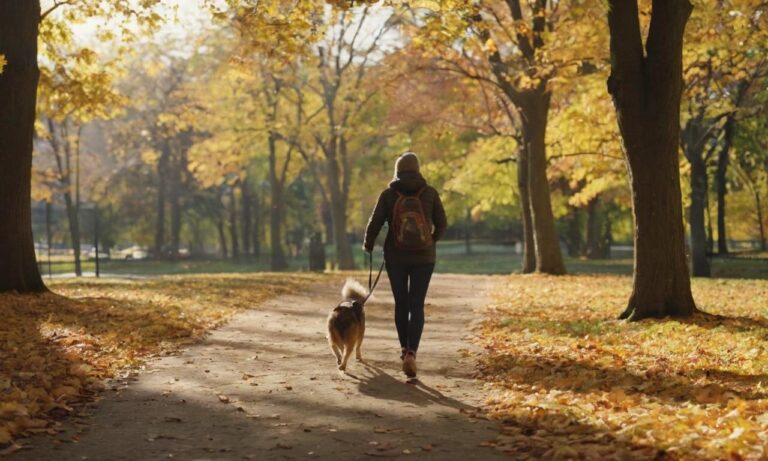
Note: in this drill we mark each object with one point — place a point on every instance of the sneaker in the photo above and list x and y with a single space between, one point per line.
409 364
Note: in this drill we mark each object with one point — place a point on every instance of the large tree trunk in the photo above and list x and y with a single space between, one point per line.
535 110
700 262
722 185
529 246
646 90
19 22
277 261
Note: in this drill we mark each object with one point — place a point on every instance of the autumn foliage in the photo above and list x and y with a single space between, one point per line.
569 382
60 347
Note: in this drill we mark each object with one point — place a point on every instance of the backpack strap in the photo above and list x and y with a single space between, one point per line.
421 191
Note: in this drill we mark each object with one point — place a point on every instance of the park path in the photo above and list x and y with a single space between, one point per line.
265 387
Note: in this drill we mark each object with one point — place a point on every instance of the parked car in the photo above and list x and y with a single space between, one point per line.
134 253
103 254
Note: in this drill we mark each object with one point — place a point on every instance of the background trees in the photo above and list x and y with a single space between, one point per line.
274 121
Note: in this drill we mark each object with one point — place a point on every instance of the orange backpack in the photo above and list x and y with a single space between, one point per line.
410 224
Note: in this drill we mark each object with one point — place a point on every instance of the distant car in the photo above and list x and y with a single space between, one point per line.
134 253
103 254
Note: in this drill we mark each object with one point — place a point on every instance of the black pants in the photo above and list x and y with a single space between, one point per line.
409 287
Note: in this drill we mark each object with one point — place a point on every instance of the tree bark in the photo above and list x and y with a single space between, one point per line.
573 235
222 236
277 261
598 231
646 89
722 185
246 220
338 208
257 226
696 219
73 219
162 174
535 111
19 21
529 246
760 225
233 232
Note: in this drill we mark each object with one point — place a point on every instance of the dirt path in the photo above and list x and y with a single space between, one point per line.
265 387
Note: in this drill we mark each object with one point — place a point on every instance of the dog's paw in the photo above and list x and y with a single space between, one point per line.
359 358
342 367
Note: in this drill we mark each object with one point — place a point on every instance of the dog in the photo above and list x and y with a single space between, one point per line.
346 323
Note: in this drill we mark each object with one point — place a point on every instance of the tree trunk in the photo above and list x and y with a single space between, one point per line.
468 231
529 246
338 204
535 110
722 186
162 173
573 236
700 263
598 231
222 237
233 233
175 205
19 22
760 225
646 89
246 221
256 226
73 219
277 261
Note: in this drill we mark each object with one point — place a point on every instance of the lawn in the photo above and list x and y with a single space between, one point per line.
485 258
570 382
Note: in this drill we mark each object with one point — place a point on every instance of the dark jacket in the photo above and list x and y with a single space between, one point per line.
407 183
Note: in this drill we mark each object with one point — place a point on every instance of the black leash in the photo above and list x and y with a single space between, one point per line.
371 283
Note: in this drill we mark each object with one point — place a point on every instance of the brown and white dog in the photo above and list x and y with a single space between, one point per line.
346 323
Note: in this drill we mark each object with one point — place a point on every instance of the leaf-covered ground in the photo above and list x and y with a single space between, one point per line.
57 348
570 382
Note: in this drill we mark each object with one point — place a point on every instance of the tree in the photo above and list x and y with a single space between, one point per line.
516 49
646 84
19 23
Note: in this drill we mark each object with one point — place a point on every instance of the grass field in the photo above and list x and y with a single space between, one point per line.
452 258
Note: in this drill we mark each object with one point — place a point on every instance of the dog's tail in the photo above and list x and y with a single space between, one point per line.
354 291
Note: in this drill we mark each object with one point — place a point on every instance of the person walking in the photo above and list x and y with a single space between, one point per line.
417 221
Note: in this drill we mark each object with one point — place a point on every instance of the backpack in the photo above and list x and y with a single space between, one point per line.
410 224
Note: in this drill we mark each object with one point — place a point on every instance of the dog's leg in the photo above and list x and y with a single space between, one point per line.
347 353
359 354
335 349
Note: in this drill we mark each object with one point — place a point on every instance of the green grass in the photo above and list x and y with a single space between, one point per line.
452 258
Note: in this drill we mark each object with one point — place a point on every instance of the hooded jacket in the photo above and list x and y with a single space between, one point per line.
407 183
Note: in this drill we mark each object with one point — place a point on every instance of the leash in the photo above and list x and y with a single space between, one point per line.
372 283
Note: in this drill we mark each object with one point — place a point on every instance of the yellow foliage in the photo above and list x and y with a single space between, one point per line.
57 348
563 372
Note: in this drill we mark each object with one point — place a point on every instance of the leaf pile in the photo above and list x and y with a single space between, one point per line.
56 349
570 382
